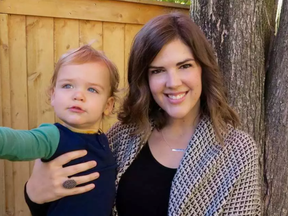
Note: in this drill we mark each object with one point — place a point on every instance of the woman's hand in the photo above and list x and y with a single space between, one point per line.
45 183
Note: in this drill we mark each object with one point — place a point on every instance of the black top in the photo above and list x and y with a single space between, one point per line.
145 187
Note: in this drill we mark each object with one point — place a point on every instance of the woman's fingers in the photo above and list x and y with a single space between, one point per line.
80 180
67 157
46 181
79 190
85 178
74 169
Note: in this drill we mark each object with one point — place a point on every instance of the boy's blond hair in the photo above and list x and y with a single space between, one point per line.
82 55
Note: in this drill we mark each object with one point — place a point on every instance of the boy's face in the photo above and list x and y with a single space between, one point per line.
81 95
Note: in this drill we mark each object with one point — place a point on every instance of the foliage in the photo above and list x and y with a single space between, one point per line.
187 2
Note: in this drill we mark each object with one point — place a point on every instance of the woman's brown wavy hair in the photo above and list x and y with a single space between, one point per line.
139 106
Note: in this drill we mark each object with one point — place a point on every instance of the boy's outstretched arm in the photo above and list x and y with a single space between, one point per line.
20 145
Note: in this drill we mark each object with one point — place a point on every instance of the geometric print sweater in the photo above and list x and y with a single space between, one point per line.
212 179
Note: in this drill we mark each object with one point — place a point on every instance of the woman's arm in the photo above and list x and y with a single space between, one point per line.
45 183
245 199
36 209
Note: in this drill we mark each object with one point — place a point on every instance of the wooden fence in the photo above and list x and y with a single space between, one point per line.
33 35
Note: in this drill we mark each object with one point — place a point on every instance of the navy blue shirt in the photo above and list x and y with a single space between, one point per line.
98 201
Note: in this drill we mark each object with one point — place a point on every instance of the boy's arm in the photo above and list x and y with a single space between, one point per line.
20 145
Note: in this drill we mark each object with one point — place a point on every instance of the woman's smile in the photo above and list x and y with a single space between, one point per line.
176 98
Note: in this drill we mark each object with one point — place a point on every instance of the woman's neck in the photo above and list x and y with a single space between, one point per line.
182 126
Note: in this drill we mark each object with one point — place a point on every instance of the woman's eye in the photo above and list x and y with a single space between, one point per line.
92 90
185 66
67 86
156 71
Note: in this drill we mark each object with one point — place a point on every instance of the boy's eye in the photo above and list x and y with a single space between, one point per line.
92 90
67 86
185 66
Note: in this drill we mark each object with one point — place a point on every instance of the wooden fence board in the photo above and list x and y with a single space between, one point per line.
19 106
6 109
5 101
91 31
9 187
5 71
113 46
66 36
2 188
130 32
99 10
40 69
2 67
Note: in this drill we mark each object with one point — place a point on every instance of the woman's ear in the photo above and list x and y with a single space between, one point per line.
109 106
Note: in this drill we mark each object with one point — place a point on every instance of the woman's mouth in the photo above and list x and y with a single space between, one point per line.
176 98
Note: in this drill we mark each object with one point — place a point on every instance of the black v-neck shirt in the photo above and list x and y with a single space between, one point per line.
145 187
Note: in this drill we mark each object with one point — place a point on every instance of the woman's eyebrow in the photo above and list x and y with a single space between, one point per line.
186 60
154 67
179 63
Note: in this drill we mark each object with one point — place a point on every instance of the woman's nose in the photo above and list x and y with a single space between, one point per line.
173 79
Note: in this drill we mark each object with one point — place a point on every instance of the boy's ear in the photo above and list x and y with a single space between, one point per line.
52 97
109 106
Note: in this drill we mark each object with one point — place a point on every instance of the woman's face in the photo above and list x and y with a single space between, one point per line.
175 81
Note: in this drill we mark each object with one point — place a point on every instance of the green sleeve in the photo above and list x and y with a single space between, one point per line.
20 145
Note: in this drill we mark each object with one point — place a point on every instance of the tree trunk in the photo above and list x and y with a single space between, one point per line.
235 29
240 32
276 118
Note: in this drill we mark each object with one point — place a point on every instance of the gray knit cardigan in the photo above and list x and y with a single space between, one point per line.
212 179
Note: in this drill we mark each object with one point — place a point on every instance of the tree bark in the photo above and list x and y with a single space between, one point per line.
236 31
276 118
240 32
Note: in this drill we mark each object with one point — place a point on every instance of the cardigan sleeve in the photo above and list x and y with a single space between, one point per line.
113 135
19 145
35 209
245 198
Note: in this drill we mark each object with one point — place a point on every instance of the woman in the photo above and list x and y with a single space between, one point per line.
176 146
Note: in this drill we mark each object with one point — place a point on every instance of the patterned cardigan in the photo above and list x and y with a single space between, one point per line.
212 179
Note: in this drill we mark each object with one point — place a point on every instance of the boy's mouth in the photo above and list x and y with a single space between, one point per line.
76 109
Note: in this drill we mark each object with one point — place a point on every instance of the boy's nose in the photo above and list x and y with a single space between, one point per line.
79 96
